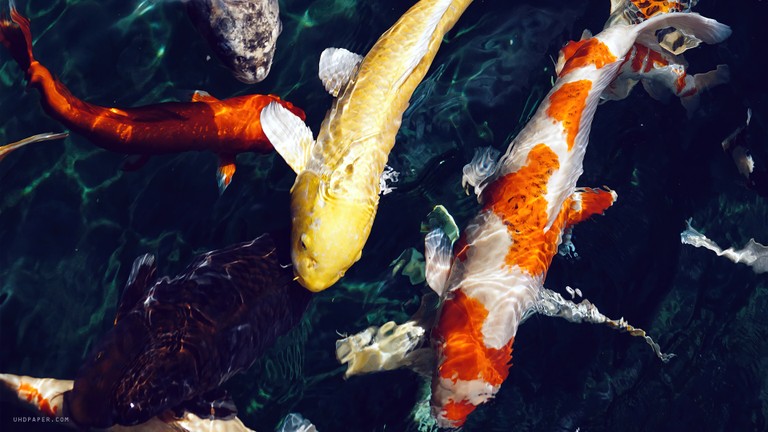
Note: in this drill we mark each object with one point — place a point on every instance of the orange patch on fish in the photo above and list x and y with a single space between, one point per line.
680 83
590 52
457 412
649 8
33 395
518 199
466 356
567 105
641 52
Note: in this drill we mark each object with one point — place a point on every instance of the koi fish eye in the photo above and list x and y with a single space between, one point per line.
302 242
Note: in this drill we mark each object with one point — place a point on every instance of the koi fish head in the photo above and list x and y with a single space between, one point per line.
242 34
328 232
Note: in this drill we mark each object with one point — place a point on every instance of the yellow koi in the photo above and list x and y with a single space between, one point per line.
336 193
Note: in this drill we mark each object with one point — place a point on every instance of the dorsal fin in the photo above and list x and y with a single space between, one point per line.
142 274
337 68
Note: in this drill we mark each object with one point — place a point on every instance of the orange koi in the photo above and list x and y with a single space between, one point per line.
226 127
529 198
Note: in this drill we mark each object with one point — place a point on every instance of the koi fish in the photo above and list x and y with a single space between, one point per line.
242 34
529 197
226 127
5 149
46 397
175 341
336 193
661 70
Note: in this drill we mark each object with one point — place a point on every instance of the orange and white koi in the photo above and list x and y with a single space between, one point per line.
529 197
226 127
46 396
660 67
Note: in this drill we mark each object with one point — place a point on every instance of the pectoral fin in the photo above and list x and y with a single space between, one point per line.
388 347
438 247
482 167
587 202
225 171
142 275
290 137
203 96
438 255
337 68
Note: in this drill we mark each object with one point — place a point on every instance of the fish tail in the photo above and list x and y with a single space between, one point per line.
4 150
16 36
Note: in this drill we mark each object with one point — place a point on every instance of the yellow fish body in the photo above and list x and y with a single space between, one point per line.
336 194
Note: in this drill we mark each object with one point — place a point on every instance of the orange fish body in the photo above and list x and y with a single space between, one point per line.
501 261
226 127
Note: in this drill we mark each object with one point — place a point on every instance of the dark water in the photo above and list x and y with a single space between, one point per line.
71 222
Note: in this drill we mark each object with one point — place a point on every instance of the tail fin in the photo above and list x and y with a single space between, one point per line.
4 150
706 29
16 36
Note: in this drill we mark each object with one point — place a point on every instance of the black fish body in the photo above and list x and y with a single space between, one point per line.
242 33
176 339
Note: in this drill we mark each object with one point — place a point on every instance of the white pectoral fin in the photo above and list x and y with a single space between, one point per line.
337 67
290 137
553 304
438 254
482 167
442 232
388 347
